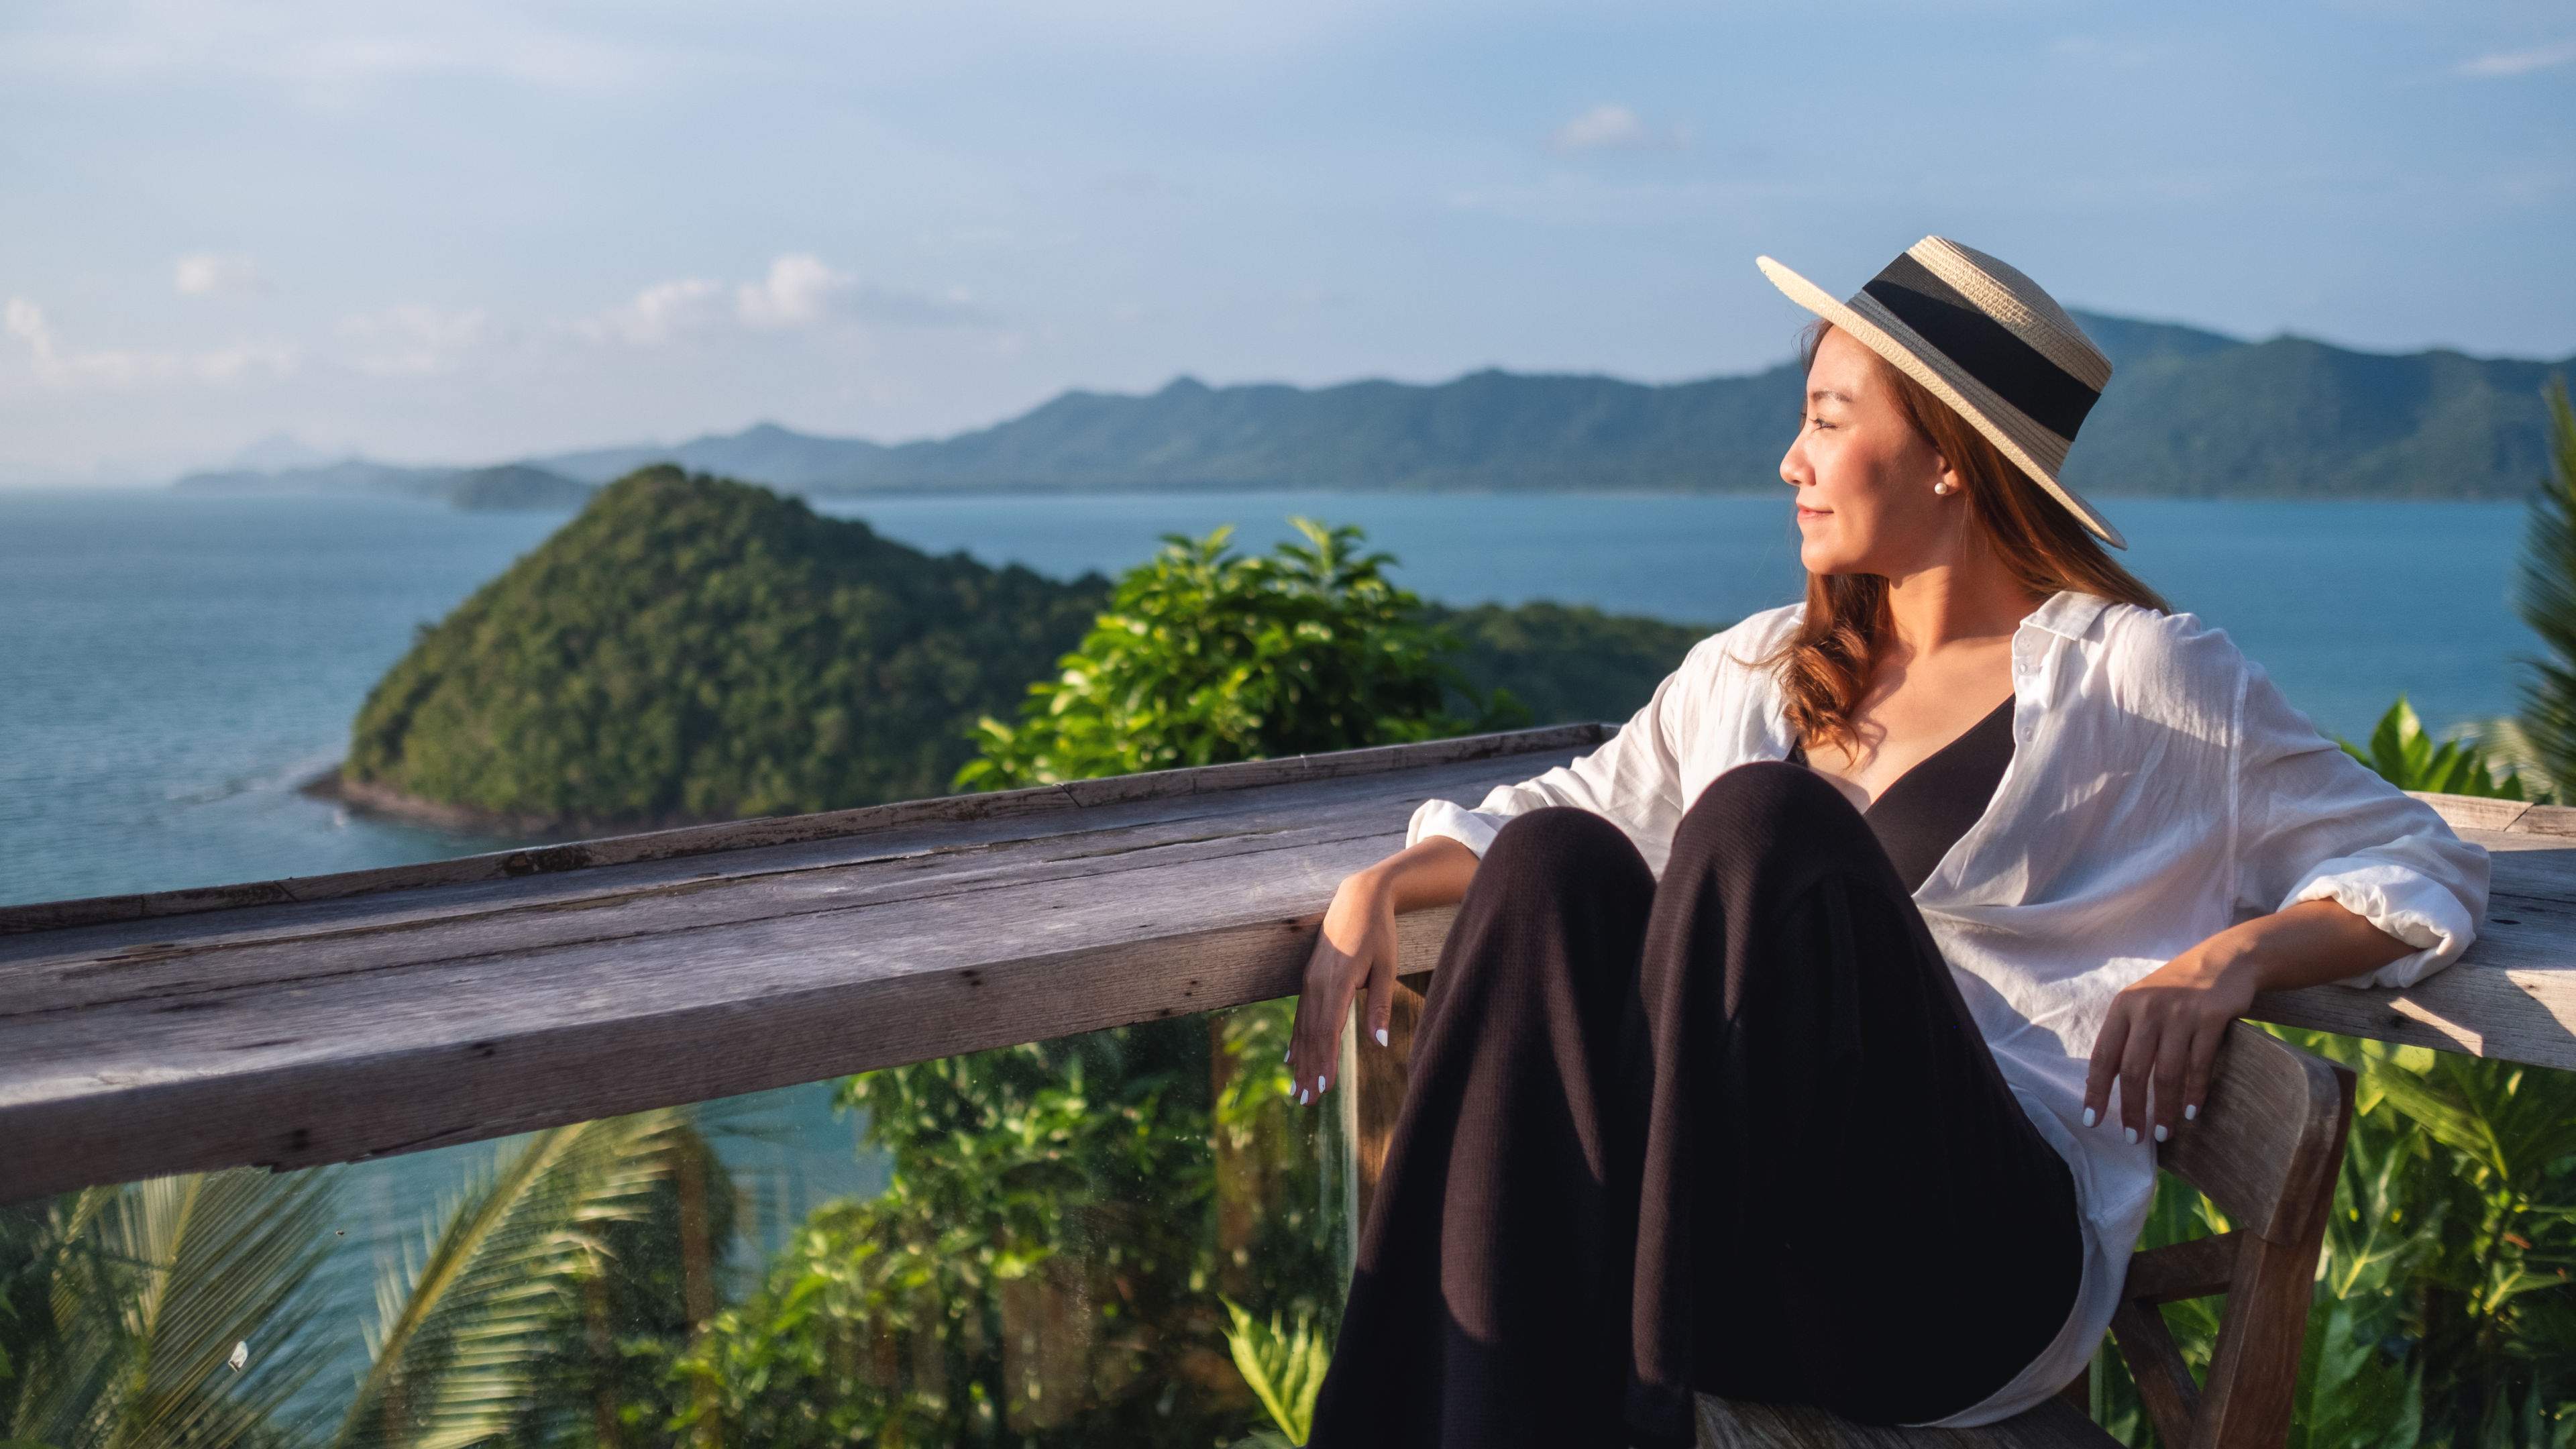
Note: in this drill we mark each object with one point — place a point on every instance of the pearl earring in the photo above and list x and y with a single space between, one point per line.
1942 487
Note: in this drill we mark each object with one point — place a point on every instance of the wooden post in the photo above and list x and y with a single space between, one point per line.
697 1266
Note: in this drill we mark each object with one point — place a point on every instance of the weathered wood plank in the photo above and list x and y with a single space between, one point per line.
2514 994
383 1018
338 1017
702 840
273 946
2471 812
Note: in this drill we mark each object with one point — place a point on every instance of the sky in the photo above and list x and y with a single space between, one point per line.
460 231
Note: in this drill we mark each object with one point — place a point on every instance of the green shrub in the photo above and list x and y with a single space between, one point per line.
1205 656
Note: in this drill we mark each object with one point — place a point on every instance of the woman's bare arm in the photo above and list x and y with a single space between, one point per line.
1357 947
2165 1029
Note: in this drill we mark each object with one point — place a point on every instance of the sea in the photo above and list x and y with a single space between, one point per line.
173 667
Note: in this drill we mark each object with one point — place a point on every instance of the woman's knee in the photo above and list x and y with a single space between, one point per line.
1557 848
1768 807
1559 903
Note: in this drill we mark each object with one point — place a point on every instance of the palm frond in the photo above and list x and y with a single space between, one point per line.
2547 596
458 1327
153 1284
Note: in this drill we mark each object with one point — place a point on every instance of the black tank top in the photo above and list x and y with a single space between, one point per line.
1924 813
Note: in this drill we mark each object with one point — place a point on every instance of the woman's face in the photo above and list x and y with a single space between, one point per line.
1864 476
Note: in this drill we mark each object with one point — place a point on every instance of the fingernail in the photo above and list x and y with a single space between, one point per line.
1301 1096
2133 1135
2161 1133
2089 1116
1381 1036
2190 1112
1319 1086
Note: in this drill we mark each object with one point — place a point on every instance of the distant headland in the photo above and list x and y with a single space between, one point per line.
2189 414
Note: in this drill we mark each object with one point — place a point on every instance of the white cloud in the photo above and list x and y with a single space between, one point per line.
660 313
1615 128
798 291
210 274
414 339
2516 62
27 323
55 363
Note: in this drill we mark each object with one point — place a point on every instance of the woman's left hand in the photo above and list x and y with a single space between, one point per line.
2160 1038
2165 1030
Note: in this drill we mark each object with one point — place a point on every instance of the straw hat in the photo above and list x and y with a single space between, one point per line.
1987 341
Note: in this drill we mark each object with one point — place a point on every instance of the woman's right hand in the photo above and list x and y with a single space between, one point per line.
1357 947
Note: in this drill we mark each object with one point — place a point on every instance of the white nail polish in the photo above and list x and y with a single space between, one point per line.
2161 1133
1301 1096
1319 1086
1381 1036
2133 1135
2090 1116
2191 1112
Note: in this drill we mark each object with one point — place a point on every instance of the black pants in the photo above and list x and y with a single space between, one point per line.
1736 1133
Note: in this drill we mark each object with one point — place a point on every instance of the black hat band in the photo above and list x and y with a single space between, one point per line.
1984 348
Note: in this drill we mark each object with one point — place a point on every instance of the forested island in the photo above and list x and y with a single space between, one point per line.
692 649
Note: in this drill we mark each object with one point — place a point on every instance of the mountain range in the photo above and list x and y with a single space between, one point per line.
2189 413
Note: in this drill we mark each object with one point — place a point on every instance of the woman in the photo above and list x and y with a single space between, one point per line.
1809 1040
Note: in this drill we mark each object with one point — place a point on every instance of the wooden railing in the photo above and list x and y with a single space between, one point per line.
297 1022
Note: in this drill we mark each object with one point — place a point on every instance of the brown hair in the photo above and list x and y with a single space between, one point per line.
1826 665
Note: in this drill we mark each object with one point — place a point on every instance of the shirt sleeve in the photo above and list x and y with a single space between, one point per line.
2317 825
1633 780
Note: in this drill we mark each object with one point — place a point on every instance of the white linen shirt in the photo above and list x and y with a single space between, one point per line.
2160 790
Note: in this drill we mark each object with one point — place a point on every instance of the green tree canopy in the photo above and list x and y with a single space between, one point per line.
693 649
1205 656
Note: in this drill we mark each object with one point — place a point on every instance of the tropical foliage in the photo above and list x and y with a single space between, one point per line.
186 1310
2404 755
513 1271
1206 656
1285 1368
2444 1314
1043 1267
2547 598
121 1309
